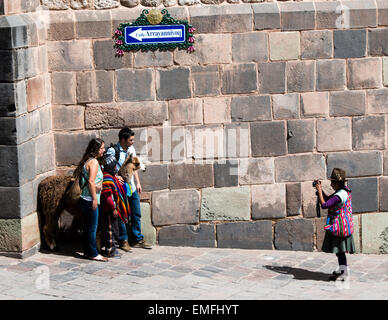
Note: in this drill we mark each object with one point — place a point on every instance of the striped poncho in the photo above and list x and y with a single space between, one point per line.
112 187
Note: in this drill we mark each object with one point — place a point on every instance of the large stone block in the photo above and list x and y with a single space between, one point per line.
225 173
295 234
331 75
374 233
8 132
377 44
239 78
205 142
284 45
105 56
154 178
13 99
175 207
222 19
102 116
256 171
251 108
63 88
378 100
385 164
245 235
368 133
269 201
301 136
95 86
266 16
190 175
186 111
44 147
360 13
314 104
68 117
300 76
268 138
106 4
317 44
135 85
76 142
206 80
216 110
364 194
231 203
62 26
299 168
11 208
356 164
383 191
153 59
70 55
364 73
382 7
272 77
347 103
329 15
285 106
236 140
36 92
202 235
10 229
333 134
173 84
147 229
293 199
385 71
297 15
310 204
207 50
247 47
138 114
349 43
14 32
56 4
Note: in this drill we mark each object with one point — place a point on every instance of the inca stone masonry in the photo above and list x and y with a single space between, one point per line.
285 90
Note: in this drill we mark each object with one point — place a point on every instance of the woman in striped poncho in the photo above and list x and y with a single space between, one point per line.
114 206
339 224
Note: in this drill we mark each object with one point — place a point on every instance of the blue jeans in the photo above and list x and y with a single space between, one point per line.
134 204
90 227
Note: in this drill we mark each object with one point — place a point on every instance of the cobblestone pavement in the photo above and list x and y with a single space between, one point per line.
176 273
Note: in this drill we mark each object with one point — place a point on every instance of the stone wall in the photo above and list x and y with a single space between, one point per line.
275 95
26 140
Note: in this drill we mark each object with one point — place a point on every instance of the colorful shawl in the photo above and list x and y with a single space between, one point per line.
111 186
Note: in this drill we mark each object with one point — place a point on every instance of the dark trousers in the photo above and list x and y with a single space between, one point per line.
90 227
341 258
110 232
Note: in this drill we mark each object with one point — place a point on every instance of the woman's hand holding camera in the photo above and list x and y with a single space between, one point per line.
318 185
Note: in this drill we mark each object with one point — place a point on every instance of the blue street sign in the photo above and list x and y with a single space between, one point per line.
155 34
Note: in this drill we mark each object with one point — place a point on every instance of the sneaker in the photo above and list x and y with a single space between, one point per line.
142 244
125 246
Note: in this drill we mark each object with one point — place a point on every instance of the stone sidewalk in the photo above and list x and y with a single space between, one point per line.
176 273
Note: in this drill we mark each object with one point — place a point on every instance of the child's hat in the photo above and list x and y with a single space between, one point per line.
110 163
338 175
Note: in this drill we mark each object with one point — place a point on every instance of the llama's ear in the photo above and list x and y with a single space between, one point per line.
130 157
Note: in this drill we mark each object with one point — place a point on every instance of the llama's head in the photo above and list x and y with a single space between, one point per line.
130 165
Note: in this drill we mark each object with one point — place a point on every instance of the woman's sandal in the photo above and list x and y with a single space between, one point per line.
97 258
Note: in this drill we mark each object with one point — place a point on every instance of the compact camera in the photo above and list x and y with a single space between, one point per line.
315 182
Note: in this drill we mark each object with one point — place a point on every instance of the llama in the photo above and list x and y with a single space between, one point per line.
52 199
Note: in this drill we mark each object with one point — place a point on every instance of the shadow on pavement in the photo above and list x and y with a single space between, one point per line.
302 274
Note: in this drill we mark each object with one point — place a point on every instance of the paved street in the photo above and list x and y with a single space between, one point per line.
192 274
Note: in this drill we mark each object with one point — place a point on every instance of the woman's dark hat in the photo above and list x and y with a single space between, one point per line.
338 175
